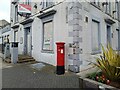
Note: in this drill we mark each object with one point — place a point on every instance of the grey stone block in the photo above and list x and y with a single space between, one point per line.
74 33
78 51
77 39
73 10
77 16
70 17
77 28
73 22
74 68
73 56
77 62
78 5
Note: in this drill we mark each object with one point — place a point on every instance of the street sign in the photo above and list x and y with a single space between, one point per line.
23 8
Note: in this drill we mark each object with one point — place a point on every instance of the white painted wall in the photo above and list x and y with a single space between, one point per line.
60 35
20 31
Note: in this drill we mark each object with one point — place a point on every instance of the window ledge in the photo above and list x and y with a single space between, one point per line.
16 22
51 12
108 13
47 51
95 52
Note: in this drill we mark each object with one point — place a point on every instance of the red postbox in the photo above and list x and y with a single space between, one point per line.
60 58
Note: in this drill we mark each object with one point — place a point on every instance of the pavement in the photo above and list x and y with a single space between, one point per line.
24 76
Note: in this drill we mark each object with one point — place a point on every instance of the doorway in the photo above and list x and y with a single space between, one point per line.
28 41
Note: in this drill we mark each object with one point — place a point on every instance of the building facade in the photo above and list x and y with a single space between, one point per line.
5 32
84 26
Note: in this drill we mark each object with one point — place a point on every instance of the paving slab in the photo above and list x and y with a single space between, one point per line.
24 76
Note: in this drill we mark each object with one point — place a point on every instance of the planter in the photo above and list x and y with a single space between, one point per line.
94 85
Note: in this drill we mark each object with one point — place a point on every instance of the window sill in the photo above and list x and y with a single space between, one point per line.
108 14
47 51
95 52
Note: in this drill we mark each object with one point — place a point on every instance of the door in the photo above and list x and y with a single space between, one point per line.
28 41
109 35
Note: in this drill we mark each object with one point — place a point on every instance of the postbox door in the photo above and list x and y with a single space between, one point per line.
60 56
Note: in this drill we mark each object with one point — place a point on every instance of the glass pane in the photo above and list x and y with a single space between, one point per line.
95 36
16 13
48 36
16 36
108 35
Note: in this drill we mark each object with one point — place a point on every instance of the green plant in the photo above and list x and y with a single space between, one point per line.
99 76
109 63
92 75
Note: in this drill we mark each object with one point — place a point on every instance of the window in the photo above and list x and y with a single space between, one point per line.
16 36
108 7
47 3
8 38
116 9
109 35
66 14
48 36
96 2
95 36
16 13
28 2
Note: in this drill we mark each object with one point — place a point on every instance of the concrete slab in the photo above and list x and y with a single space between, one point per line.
37 66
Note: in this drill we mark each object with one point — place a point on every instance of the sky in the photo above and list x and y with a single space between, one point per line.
5 10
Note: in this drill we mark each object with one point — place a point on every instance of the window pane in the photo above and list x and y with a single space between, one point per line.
48 36
28 2
47 3
16 36
95 36
16 13
108 35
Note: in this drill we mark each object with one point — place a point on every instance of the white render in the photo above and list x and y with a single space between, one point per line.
62 31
